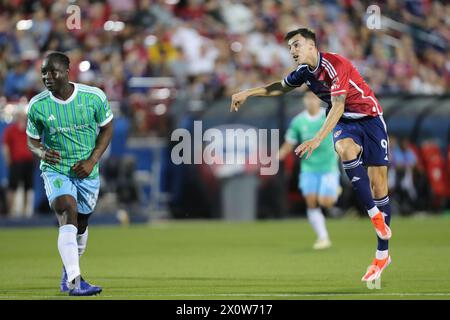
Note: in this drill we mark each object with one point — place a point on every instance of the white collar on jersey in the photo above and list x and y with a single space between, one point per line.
314 117
319 58
69 100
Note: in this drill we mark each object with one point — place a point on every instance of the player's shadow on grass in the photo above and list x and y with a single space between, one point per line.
309 250
165 278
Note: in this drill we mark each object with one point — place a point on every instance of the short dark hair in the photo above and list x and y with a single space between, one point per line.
304 32
59 57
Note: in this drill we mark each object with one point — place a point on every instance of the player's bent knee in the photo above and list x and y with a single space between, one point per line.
66 209
82 226
347 149
83 221
311 201
327 202
378 181
379 190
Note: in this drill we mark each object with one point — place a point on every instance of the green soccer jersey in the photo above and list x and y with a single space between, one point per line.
304 127
69 127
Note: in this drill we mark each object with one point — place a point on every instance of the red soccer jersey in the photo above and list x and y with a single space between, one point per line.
16 140
336 75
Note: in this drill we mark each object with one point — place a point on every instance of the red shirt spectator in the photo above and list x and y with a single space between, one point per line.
15 138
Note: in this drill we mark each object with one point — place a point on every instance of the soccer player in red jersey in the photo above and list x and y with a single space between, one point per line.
355 117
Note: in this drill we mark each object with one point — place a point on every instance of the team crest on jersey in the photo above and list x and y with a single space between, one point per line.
337 133
57 183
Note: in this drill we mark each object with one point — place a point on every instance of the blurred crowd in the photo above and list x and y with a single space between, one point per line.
213 48
210 49
408 183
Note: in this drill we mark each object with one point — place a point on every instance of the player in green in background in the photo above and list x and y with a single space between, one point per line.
319 174
69 127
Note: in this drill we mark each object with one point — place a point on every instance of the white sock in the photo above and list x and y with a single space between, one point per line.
372 212
317 220
82 242
75 283
68 250
380 255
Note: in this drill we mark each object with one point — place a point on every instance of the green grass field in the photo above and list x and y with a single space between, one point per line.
219 260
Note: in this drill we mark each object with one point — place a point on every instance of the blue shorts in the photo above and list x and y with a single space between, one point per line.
85 191
321 184
370 134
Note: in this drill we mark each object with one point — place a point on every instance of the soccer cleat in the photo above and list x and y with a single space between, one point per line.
381 228
64 287
376 268
321 244
85 290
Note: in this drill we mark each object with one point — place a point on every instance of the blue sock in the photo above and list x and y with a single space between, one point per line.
385 207
360 182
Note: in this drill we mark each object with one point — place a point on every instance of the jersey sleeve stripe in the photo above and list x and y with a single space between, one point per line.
285 80
333 70
106 121
38 97
328 71
338 92
290 140
353 115
93 90
32 135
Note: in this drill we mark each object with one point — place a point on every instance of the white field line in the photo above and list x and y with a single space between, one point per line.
237 295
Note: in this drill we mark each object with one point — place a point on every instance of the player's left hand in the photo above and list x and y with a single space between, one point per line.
83 168
307 147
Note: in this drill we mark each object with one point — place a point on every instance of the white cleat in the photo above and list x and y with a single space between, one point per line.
375 270
321 244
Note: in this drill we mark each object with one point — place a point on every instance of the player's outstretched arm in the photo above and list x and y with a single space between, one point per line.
48 155
84 168
271 90
285 149
336 111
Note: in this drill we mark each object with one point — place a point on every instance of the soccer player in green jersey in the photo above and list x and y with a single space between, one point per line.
69 128
319 175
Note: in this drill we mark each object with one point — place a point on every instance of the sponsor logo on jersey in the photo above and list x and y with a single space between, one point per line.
335 84
53 130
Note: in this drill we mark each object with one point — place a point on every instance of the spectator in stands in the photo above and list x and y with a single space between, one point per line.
204 43
404 163
20 165
16 82
213 48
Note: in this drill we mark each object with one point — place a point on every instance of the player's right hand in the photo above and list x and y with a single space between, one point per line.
237 100
51 156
